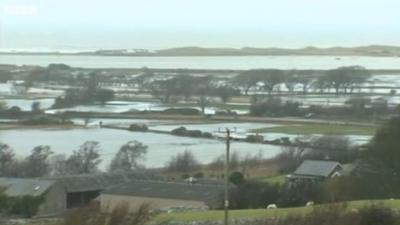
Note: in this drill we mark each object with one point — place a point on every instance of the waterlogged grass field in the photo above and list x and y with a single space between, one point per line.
215 215
318 128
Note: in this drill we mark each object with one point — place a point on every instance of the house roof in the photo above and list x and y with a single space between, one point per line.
168 190
99 182
16 187
316 168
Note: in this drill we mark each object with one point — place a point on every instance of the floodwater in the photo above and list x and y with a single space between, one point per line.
206 62
161 147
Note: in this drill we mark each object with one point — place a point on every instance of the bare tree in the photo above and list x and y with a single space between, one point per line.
35 107
128 157
248 79
346 78
183 162
203 90
36 164
85 160
58 165
6 159
225 93
271 79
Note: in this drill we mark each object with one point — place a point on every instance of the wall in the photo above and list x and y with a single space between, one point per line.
108 202
54 201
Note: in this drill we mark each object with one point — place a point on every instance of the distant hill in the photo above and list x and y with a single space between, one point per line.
372 50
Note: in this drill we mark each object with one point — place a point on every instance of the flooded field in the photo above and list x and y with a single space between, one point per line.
206 62
161 146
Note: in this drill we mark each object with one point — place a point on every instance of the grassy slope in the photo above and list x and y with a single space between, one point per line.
310 128
278 179
261 213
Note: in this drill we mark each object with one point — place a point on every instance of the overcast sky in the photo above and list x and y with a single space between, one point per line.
80 24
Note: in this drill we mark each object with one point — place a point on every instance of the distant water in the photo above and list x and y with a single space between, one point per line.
206 62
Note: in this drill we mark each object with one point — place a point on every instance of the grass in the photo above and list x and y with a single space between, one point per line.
216 105
318 128
215 215
18 126
278 179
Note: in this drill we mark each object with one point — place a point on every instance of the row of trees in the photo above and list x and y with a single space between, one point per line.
43 162
343 79
89 92
186 87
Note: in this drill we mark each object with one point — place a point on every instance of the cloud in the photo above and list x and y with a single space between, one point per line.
20 10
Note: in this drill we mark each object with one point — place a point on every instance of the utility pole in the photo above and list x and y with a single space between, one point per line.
226 202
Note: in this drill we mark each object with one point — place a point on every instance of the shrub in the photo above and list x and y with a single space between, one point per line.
182 111
25 206
182 131
254 138
253 194
194 133
378 214
236 178
138 127
207 135
179 131
120 215
338 214
44 120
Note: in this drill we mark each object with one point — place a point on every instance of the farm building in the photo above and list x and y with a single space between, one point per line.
316 170
62 193
163 195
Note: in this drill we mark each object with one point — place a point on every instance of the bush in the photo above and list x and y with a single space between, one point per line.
254 138
275 107
236 178
138 127
182 111
299 193
207 135
181 131
378 214
253 194
338 214
26 206
194 133
183 162
44 120
120 215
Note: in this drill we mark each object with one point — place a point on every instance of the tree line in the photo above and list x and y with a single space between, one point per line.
86 159
342 80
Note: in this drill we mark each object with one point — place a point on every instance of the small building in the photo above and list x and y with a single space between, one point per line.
316 170
60 194
161 195
52 194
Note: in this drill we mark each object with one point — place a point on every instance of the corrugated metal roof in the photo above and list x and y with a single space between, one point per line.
16 187
102 181
316 168
168 190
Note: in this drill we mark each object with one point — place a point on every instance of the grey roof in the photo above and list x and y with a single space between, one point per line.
168 190
316 168
99 182
16 187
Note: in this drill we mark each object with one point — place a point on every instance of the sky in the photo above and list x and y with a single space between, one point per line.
154 24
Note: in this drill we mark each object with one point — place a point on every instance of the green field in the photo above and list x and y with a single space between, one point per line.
262 213
278 179
318 128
